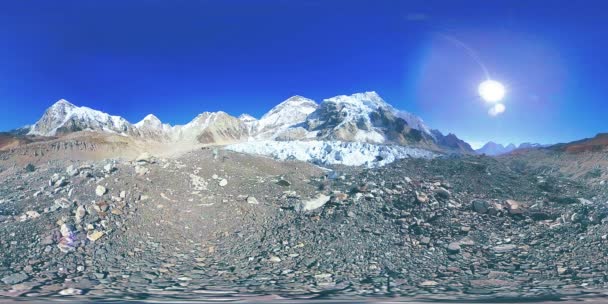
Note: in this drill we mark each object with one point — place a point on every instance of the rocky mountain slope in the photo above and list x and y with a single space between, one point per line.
491 148
583 159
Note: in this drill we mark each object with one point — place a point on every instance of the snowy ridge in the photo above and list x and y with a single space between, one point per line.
332 152
65 115
358 130
287 114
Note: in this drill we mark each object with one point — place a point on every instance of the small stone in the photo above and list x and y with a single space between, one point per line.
283 183
223 182
30 168
70 292
425 240
100 190
274 259
101 207
443 193
252 200
454 247
66 230
32 214
95 235
109 168
79 214
72 171
514 207
421 197
66 244
428 283
123 194
339 197
504 248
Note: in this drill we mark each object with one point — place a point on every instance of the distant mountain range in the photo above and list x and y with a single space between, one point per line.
362 117
492 148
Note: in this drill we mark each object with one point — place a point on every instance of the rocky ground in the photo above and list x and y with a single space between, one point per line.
214 223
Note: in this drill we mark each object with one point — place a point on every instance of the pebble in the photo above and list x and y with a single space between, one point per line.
95 235
100 190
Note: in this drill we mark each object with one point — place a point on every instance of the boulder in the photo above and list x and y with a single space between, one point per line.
312 204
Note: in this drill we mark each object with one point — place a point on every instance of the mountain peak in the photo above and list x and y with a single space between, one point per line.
63 102
149 120
247 118
61 105
296 101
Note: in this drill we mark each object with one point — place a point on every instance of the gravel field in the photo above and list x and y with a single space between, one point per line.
213 224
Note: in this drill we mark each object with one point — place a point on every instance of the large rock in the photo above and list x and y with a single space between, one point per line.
454 247
144 158
443 193
312 204
514 207
480 206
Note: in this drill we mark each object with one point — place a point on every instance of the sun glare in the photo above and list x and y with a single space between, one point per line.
491 91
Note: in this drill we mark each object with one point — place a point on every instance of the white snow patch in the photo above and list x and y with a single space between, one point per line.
332 152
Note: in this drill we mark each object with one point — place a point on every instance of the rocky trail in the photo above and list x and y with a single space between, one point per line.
214 223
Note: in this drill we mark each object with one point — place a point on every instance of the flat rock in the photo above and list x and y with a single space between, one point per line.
15 278
312 204
95 235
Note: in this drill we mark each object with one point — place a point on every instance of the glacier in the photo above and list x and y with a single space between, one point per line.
332 152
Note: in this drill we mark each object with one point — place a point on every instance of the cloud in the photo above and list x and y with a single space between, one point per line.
497 109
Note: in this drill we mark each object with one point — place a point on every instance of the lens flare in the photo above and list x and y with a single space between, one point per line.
497 109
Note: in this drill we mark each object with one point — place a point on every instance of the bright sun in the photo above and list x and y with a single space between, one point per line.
491 91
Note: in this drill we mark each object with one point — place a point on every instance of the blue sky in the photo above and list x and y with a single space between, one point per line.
179 58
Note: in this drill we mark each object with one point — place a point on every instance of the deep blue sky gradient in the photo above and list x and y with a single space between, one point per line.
179 58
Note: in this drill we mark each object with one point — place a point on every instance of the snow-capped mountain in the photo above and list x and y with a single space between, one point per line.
287 117
211 127
64 117
493 149
362 117
247 118
151 127
366 117
250 123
